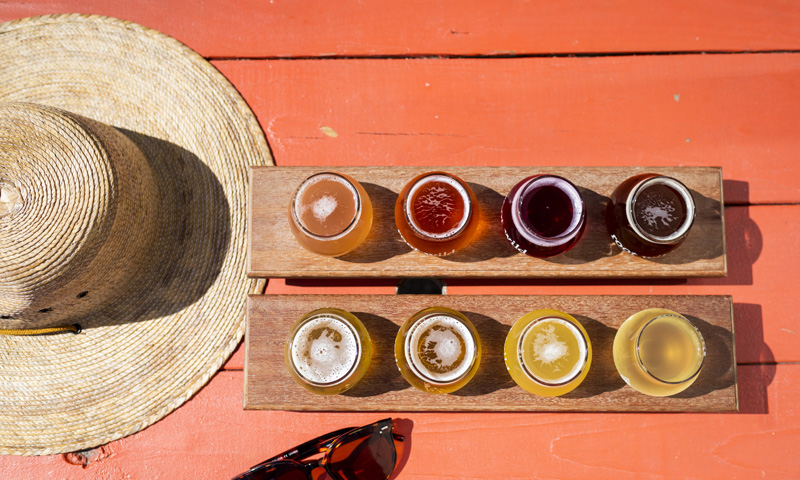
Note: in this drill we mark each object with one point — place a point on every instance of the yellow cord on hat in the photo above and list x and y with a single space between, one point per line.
41 331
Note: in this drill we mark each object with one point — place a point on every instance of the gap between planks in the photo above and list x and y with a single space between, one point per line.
437 56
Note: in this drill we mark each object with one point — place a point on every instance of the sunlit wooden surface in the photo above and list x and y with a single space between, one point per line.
476 83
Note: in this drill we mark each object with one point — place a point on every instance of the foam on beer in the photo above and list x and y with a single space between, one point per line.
678 188
325 206
547 348
453 183
577 211
444 342
325 350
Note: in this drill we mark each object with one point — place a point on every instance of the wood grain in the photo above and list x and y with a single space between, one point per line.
260 28
760 274
734 111
274 252
269 386
738 111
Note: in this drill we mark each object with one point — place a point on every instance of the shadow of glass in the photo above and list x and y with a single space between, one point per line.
603 376
383 375
194 228
736 192
718 370
595 243
383 241
757 363
492 374
743 239
704 241
490 241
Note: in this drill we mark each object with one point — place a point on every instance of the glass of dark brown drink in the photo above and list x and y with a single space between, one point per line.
543 215
650 215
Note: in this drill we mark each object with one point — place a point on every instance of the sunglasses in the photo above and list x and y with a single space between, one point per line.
355 453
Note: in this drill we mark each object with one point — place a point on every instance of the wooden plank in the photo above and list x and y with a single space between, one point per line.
735 111
269 386
761 279
257 28
211 437
274 251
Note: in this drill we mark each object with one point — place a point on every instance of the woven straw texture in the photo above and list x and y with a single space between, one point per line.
78 232
146 251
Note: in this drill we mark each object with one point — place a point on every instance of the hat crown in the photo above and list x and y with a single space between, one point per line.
77 210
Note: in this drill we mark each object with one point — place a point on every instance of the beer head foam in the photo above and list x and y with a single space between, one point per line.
679 189
535 184
324 206
325 350
440 348
547 348
458 188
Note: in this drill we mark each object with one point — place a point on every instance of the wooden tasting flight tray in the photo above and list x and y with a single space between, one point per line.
269 386
274 252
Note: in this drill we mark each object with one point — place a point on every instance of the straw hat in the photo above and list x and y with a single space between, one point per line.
123 181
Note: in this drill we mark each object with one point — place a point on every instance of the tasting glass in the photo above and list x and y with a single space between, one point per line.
655 341
550 331
628 232
342 241
417 347
328 351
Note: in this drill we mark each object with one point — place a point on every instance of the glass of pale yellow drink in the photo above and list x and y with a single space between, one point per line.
659 352
328 351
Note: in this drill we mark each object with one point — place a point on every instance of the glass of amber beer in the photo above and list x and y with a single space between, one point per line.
438 350
327 351
436 213
543 215
650 215
330 214
659 352
548 352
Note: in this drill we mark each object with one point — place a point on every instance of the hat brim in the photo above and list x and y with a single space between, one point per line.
161 340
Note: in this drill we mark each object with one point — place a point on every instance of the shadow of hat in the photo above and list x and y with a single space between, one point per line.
123 187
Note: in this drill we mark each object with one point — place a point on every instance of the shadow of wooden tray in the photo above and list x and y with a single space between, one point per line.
269 386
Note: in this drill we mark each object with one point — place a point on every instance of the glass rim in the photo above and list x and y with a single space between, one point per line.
421 374
640 363
463 223
314 315
530 375
566 235
350 226
682 190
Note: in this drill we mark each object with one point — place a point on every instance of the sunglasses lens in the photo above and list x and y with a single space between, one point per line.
370 456
282 471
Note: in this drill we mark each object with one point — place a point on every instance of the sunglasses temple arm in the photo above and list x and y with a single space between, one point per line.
309 448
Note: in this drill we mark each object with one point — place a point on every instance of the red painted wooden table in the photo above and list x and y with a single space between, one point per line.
513 83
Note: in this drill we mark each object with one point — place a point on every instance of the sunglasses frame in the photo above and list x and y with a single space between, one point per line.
324 444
